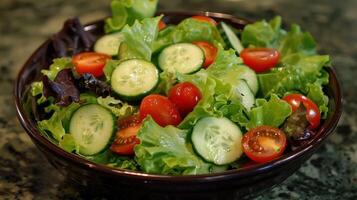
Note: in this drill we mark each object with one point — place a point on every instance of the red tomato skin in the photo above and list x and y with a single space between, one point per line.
312 111
209 50
205 19
161 109
162 25
251 138
260 59
185 96
90 62
130 121
125 141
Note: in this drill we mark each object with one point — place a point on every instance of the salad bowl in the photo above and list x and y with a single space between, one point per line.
99 179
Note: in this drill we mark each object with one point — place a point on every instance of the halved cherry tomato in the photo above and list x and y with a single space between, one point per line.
209 50
162 25
205 19
161 109
260 59
264 143
130 121
312 111
90 62
185 96
126 140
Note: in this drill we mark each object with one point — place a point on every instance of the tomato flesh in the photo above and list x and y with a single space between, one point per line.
185 96
161 109
162 25
130 121
205 19
126 140
264 143
260 59
312 111
90 62
209 50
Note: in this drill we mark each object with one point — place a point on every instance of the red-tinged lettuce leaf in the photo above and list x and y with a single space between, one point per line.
63 88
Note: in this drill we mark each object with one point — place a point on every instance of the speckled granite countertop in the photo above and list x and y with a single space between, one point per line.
331 173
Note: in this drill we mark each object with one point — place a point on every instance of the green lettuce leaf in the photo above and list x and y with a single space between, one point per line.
114 160
57 65
109 68
300 68
55 126
139 39
167 151
37 90
217 100
117 107
127 11
189 30
68 143
272 113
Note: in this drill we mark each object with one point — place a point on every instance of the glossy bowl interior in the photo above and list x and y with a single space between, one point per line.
105 180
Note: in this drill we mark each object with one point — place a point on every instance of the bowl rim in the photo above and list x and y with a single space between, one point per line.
325 130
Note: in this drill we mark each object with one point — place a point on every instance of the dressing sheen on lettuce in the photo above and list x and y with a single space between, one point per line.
300 68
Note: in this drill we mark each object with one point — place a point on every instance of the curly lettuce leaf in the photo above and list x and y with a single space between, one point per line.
272 113
109 68
114 160
139 39
55 126
217 100
127 11
167 151
300 68
189 30
58 65
37 90
117 107
68 143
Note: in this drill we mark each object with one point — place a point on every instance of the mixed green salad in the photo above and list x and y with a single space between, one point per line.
195 97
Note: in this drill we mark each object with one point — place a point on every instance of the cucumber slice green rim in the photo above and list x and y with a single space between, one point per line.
184 58
133 79
232 37
92 128
217 140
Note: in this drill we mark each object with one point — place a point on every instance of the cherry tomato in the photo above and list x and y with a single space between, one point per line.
260 59
209 50
90 62
161 109
130 121
312 111
264 143
162 25
126 140
205 19
185 96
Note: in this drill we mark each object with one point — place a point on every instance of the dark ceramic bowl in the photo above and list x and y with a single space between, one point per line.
131 184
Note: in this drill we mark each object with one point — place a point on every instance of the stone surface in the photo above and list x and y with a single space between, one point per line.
331 173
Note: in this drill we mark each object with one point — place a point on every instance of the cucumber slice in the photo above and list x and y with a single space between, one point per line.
245 94
232 37
250 77
133 79
184 58
92 127
217 140
109 44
